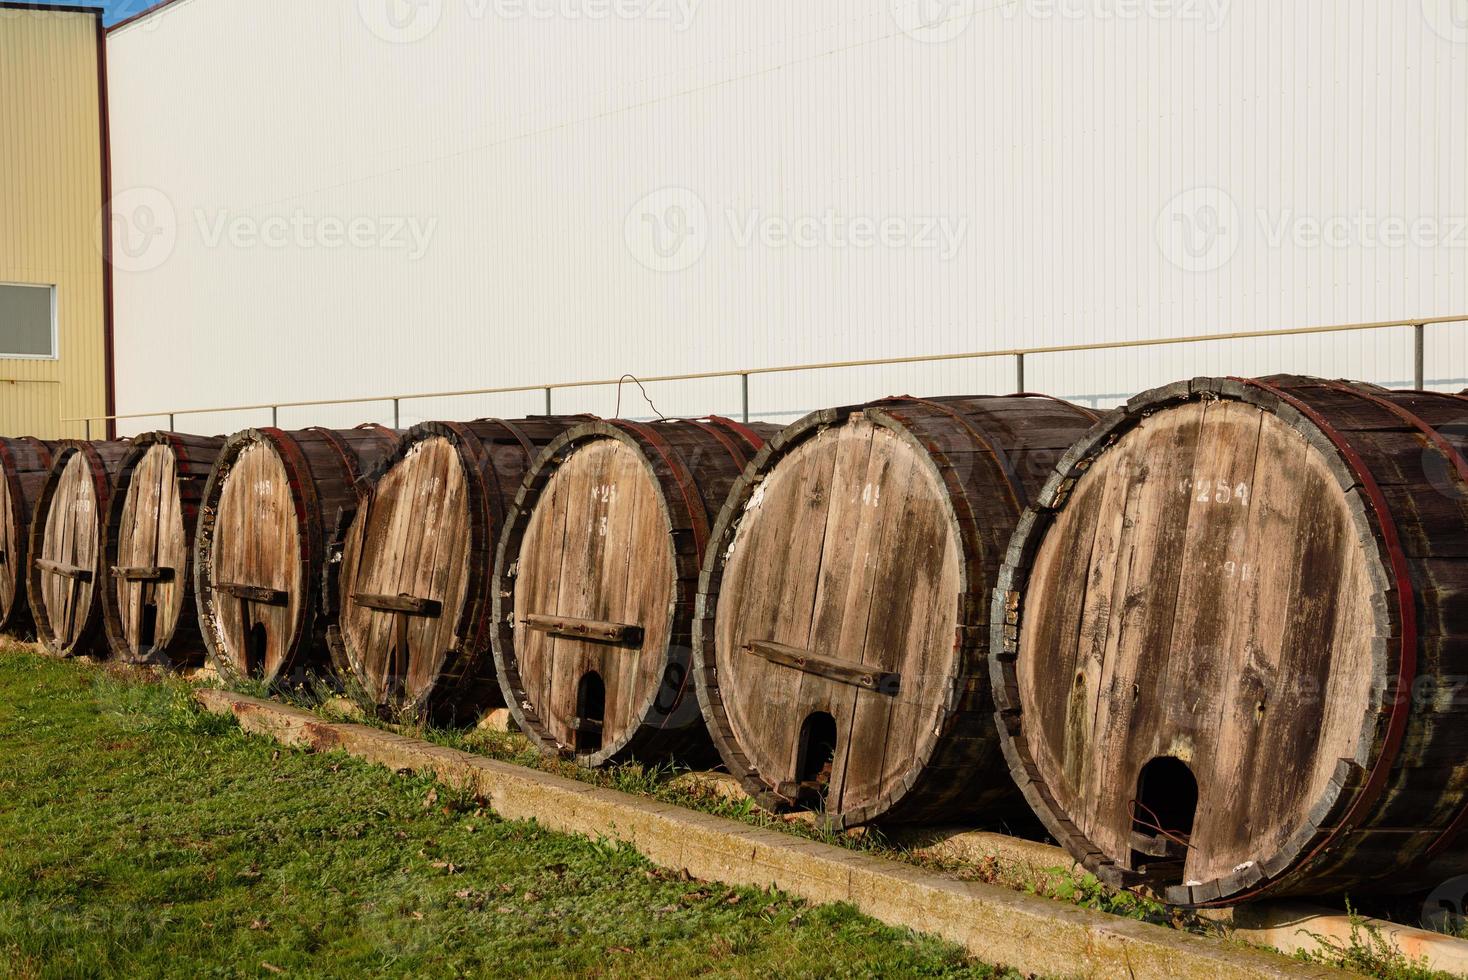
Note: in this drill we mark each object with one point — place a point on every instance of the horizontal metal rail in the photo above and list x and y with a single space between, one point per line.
1018 353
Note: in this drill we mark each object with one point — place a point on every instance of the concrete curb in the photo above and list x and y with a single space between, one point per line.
998 925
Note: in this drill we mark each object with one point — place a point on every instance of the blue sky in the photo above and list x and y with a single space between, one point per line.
116 9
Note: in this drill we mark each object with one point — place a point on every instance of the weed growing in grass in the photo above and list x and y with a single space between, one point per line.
1088 892
141 837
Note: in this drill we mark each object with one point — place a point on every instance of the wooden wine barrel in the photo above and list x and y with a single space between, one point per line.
595 581
841 639
148 609
24 465
67 571
1233 641
260 544
412 581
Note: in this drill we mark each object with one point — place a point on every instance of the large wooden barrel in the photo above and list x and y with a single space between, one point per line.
842 635
595 581
24 465
148 609
1233 642
412 580
260 545
67 570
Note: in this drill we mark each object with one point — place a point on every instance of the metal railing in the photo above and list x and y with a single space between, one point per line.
1018 354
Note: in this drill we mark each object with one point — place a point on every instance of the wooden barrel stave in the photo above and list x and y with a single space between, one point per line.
1390 478
960 469
609 492
150 525
24 465
260 543
1023 441
443 555
66 574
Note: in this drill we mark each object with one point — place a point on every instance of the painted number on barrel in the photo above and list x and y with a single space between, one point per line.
606 494
1216 491
1238 570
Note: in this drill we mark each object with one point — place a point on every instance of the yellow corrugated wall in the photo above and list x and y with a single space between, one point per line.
50 213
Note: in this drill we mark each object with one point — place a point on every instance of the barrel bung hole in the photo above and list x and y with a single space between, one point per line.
1162 818
815 756
591 712
256 643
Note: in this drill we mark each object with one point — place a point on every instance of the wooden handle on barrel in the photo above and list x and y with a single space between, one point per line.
411 605
253 593
142 574
67 571
586 629
883 682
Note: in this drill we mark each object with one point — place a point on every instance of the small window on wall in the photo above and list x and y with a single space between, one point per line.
27 320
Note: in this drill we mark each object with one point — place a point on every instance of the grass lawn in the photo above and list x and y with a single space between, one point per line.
141 837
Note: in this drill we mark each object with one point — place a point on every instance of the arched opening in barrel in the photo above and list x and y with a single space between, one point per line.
1162 816
257 642
148 626
814 759
395 679
591 711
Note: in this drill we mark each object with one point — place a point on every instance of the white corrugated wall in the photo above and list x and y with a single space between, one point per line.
952 176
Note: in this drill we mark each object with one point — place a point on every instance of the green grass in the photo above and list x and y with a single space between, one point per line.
140 837
665 785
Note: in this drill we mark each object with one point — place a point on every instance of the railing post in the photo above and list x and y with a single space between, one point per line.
1019 374
744 395
548 400
172 427
275 416
1419 344
89 430
395 422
